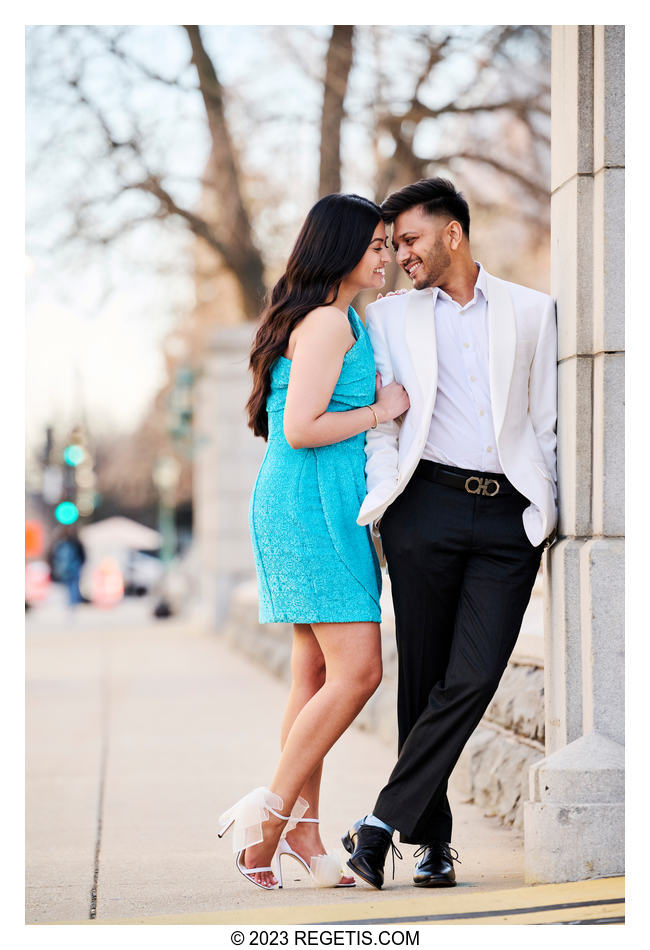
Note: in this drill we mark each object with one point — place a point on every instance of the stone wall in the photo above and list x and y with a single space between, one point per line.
493 769
574 820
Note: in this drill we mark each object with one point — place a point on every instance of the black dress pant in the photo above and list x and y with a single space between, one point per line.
462 571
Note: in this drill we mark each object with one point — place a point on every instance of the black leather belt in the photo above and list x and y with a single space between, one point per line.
487 484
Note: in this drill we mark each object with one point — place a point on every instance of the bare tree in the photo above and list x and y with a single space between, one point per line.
227 230
499 89
472 103
422 113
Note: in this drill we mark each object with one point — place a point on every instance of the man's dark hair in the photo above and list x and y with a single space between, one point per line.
436 195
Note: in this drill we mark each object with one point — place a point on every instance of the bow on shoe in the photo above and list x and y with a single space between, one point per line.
249 812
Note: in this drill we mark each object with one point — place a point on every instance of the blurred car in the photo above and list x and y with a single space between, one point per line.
142 573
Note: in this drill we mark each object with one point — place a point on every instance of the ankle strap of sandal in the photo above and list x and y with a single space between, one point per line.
277 814
248 814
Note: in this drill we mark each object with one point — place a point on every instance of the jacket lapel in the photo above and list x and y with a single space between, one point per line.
421 341
502 345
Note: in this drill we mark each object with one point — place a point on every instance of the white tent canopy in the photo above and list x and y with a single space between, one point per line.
119 533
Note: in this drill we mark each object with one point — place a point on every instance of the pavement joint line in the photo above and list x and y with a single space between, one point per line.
92 912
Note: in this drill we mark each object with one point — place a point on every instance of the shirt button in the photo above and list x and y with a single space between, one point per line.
466 345
489 448
473 379
481 413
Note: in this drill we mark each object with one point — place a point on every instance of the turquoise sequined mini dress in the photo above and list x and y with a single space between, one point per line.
314 563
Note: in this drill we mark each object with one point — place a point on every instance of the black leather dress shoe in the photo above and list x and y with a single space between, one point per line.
369 846
436 866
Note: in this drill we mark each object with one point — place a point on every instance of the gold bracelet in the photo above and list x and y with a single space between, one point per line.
375 415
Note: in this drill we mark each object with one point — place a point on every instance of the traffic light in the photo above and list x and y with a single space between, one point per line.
79 478
179 406
66 512
73 455
75 452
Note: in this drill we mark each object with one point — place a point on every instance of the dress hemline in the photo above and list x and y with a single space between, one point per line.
321 620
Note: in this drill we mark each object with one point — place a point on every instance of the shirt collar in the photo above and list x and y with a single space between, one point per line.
479 287
481 280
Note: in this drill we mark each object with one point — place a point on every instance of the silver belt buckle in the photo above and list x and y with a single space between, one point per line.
482 486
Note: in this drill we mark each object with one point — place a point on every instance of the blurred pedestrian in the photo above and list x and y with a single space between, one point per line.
66 562
314 397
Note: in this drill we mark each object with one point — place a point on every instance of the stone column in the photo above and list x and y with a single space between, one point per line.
226 462
573 823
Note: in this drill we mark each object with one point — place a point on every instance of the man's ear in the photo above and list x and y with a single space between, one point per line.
455 232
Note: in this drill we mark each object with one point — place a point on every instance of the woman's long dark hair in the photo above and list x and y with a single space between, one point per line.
333 239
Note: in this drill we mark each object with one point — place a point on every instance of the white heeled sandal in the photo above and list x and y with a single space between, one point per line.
246 817
325 870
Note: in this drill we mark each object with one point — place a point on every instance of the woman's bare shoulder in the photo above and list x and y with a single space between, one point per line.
326 321
327 314
323 329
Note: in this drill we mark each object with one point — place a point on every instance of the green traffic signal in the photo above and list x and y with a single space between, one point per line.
73 455
66 512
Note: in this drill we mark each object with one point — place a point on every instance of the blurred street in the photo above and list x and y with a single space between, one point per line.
140 732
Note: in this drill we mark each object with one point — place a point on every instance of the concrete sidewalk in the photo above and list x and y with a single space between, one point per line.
140 733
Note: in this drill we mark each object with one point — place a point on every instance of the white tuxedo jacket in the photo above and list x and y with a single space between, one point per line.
523 390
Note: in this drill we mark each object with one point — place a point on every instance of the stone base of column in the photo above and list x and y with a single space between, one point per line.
574 822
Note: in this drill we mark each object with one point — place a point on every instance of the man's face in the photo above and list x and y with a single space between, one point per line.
421 246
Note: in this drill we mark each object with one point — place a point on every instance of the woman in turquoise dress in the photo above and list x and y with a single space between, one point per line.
314 397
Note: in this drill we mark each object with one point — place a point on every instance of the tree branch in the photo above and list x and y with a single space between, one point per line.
534 188
197 225
111 45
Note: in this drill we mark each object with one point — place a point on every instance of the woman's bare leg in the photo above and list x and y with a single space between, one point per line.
308 675
352 654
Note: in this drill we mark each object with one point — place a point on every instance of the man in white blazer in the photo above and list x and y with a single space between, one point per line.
463 494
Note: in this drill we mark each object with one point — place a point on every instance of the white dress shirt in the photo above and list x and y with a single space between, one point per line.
461 433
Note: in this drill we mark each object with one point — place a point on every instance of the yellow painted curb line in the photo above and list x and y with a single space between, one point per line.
586 901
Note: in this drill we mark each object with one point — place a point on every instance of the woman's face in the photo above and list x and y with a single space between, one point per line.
370 271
